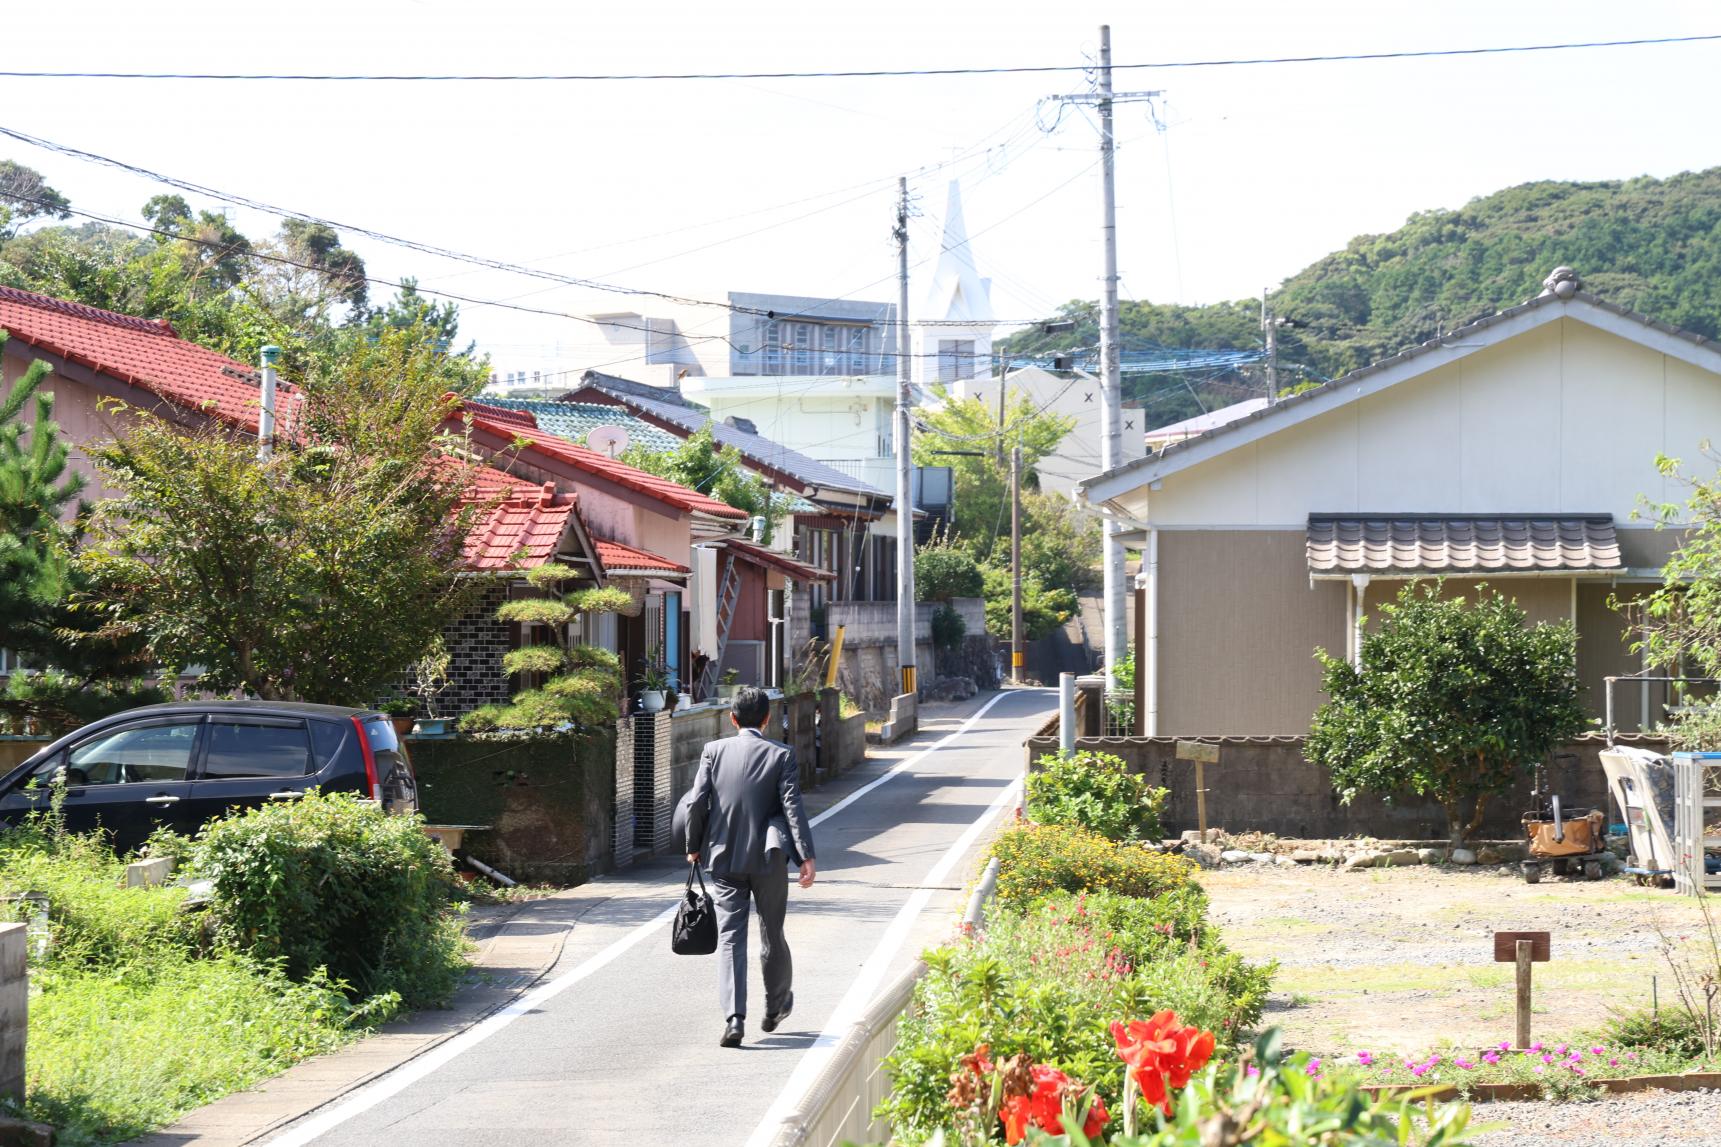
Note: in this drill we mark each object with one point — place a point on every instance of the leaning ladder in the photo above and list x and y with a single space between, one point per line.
728 594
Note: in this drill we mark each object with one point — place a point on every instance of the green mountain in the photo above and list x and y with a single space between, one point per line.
1653 245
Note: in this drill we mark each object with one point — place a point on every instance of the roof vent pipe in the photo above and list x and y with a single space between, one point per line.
266 414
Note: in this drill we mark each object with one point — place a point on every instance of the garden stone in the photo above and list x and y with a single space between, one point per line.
1463 856
1284 862
1401 856
1305 856
1488 854
1206 855
1430 855
1361 860
1261 857
1234 856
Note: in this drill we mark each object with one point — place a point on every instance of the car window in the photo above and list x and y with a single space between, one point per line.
134 754
240 749
328 738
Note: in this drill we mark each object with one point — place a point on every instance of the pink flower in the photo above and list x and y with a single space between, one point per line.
1537 1046
1540 1069
1365 1059
1561 1050
1418 1070
1631 1055
1547 1058
1492 1057
1576 1070
1465 1064
1251 1071
1313 1067
1613 1063
1597 1051
1505 1045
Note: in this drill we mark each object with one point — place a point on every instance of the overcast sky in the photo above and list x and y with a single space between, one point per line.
700 187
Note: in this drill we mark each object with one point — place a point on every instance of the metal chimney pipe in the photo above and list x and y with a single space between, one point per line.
266 415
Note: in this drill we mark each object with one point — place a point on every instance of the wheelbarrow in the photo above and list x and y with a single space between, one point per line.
1564 841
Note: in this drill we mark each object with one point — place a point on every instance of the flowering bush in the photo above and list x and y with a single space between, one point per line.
1036 860
1021 1094
1045 984
1095 791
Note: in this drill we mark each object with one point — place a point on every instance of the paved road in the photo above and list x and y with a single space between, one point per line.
621 1046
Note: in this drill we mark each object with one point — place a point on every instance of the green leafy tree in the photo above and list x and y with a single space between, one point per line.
36 490
25 195
320 574
982 486
1679 624
1454 700
700 463
1043 609
580 684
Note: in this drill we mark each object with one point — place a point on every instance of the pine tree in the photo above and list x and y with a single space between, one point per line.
35 490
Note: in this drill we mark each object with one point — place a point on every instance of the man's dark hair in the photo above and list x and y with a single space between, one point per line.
752 706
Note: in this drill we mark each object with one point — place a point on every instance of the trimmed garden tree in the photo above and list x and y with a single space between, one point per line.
581 684
1680 623
1454 700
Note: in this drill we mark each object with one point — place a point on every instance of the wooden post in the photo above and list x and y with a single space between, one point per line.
1525 950
14 1010
1522 949
1201 798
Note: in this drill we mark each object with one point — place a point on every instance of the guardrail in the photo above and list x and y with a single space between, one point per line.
838 1107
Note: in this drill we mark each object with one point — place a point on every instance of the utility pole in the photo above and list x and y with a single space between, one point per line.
1111 435
904 463
999 362
1016 562
1270 333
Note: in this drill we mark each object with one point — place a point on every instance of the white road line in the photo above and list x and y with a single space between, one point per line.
866 984
413 1070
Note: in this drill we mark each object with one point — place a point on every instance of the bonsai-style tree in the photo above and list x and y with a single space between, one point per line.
581 683
1454 700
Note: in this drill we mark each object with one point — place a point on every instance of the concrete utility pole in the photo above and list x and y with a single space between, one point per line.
266 407
1111 434
1270 332
1016 651
904 461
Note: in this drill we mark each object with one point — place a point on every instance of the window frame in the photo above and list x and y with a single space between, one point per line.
266 720
193 758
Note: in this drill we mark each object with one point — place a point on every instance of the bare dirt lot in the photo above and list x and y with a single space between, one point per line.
1401 959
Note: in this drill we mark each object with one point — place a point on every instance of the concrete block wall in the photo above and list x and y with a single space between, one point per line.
1264 784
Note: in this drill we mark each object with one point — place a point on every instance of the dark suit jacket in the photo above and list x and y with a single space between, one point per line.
746 801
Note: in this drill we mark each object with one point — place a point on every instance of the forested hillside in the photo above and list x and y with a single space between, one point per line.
1653 245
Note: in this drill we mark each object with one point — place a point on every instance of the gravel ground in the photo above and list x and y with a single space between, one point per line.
1639 1119
1401 959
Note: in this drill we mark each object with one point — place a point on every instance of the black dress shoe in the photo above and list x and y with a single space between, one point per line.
772 1019
731 1033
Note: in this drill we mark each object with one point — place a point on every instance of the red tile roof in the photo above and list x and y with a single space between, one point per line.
782 563
662 489
617 558
143 352
524 529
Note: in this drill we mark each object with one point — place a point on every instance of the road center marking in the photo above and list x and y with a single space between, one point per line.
413 1070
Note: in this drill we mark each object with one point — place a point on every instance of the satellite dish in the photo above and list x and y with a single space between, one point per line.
611 440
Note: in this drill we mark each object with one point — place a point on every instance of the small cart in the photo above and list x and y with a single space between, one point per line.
1565 843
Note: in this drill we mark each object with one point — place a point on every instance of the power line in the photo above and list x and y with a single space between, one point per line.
851 74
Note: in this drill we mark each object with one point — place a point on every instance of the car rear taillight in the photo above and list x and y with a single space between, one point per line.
370 760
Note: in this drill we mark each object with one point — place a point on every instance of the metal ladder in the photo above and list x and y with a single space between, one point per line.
728 595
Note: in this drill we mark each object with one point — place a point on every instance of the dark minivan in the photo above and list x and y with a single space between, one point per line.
183 764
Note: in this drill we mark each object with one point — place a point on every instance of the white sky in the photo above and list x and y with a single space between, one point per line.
1261 170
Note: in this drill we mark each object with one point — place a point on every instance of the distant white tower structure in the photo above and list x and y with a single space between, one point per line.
953 331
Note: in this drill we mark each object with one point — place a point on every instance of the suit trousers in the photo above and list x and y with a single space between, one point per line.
769 892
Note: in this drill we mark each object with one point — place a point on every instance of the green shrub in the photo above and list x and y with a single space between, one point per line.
948 628
334 882
1036 860
943 571
1095 791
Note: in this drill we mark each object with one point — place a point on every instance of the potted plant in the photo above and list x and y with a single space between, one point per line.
430 676
729 683
400 711
653 682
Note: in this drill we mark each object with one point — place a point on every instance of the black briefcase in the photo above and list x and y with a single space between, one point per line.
694 932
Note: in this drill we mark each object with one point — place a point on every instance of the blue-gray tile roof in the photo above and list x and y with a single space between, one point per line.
574 420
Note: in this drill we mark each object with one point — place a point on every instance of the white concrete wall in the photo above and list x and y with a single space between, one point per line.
1564 418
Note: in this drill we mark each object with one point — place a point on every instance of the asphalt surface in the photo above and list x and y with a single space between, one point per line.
627 1052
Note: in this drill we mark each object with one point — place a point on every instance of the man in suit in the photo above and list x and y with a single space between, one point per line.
746 822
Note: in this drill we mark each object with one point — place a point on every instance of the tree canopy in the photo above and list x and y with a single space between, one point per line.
1653 245
1453 700
700 463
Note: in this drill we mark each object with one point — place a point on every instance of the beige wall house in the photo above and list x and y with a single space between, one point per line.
1516 450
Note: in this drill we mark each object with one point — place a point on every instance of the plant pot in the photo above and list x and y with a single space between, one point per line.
432 726
727 692
402 725
651 701
683 701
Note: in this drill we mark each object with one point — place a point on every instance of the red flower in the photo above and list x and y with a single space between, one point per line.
1043 1107
1162 1054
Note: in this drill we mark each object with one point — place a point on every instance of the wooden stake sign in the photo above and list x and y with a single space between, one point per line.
1202 754
1523 949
